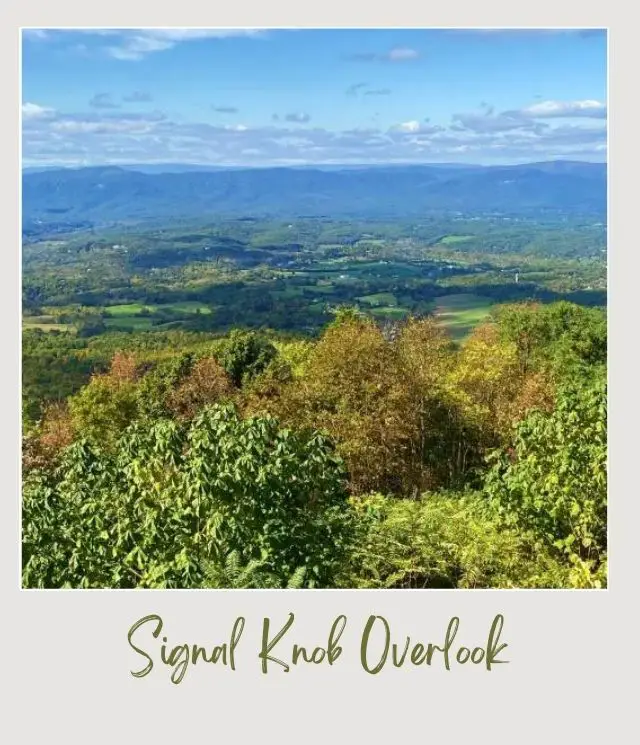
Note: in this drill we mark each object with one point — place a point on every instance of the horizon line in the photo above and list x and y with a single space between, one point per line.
311 165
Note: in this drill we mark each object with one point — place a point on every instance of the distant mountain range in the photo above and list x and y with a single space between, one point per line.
108 194
190 167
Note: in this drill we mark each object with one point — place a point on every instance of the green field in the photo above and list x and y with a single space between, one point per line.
47 326
136 323
46 322
461 313
452 239
320 289
388 312
379 299
134 309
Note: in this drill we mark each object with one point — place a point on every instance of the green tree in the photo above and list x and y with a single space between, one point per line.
245 354
561 335
172 499
103 409
553 479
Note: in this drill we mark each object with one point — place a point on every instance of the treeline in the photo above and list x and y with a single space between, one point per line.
372 457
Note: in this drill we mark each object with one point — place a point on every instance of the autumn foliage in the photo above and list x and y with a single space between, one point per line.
438 448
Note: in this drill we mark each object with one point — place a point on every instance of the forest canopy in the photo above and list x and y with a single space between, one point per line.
378 455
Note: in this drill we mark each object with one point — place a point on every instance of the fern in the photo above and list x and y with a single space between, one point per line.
230 573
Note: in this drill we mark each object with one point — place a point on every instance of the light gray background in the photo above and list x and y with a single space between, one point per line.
573 655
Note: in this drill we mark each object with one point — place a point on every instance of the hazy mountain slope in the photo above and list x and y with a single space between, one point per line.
109 193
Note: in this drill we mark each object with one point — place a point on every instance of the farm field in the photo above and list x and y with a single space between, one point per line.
138 317
453 239
47 326
253 276
135 309
461 313
379 299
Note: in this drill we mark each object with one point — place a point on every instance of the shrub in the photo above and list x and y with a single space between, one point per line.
170 498
553 478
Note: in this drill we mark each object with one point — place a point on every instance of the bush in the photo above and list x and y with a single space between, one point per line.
445 540
553 479
171 498
245 354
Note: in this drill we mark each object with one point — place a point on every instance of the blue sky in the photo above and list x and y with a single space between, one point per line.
260 97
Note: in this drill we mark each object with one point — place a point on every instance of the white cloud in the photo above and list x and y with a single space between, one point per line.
37 34
528 119
488 122
412 126
136 47
402 53
103 136
35 111
415 127
187 34
136 44
552 109
116 126
397 54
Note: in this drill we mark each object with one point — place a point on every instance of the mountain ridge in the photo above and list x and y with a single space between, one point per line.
108 193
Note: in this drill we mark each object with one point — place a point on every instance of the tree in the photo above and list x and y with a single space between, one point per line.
91 326
558 335
491 385
207 383
245 354
355 388
427 354
552 479
103 409
54 432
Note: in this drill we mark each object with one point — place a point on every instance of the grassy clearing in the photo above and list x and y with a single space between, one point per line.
123 323
389 312
325 289
133 310
43 319
67 327
452 239
379 299
461 313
